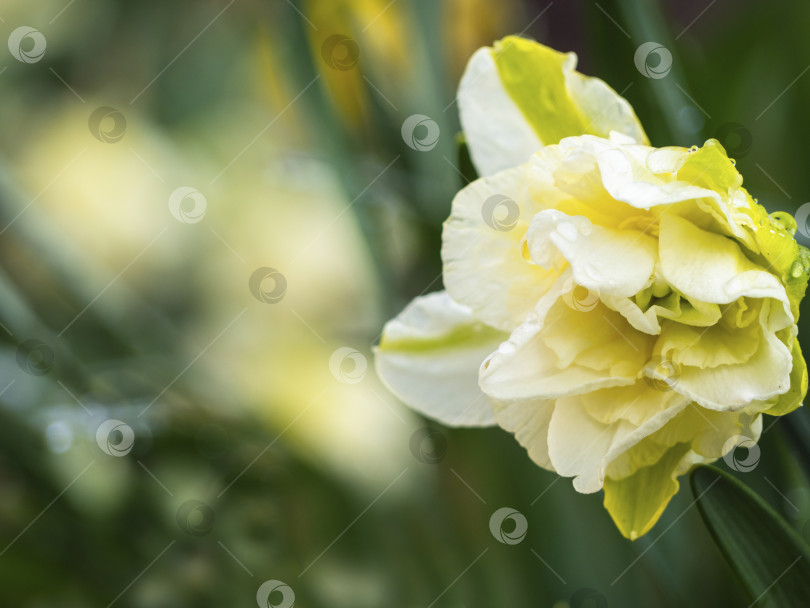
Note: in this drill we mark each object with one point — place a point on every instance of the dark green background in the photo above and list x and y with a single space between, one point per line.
409 547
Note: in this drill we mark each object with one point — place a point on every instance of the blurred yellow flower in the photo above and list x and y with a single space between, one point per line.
626 311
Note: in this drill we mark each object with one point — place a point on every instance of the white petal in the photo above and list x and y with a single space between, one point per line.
581 446
609 261
732 387
646 321
429 357
560 350
498 135
484 266
712 268
577 443
642 176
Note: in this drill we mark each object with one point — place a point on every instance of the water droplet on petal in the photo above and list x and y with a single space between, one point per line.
693 149
506 348
783 220
568 231
796 269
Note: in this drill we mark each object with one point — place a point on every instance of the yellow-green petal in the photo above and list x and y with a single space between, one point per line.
636 502
770 238
519 96
557 101
792 399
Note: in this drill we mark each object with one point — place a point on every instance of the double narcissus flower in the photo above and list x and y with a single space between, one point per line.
626 311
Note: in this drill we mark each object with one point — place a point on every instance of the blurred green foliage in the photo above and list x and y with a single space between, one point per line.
248 83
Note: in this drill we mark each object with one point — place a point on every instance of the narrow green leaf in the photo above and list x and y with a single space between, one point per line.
465 164
771 560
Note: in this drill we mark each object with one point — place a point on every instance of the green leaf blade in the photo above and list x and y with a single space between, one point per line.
770 559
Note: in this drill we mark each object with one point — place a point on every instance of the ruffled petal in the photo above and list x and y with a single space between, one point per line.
561 350
606 260
641 482
582 446
709 267
733 387
484 265
790 400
